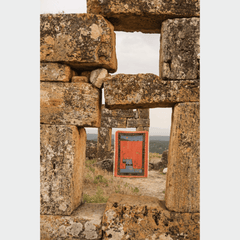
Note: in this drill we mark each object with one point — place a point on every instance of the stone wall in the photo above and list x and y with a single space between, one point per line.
77 55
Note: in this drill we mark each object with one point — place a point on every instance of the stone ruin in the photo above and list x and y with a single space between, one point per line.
77 55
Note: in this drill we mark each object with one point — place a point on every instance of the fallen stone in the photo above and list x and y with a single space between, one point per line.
147 91
62 156
180 49
97 77
112 122
104 142
117 113
80 79
141 217
183 175
84 223
165 170
132 123
70 103
82 41
106 164
141 15
157 163
165 157
55 72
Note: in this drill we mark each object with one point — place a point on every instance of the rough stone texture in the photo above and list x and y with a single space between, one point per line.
180 49
142 113
97 77
83 41
142 15
91 149
84 223
55 72
62 156
142 217
142 128
80 79
147 91
104 142
112 122
183 176
132 123
70 103
118 113
165 158
106 164
86 74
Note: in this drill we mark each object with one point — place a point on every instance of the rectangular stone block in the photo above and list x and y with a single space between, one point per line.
117 113
142 15
147 91
142 217
142 129
70 103
180 49
183 175
62 156
84 223
104 142
134 123
82 41
55 72
112 122
143 113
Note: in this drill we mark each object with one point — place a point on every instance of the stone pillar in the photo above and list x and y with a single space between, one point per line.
183 175
104 143
63 150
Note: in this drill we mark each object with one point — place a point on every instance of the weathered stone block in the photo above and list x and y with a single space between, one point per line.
142 15
133 123
91 149
97 77
84 223
112 122
147 91
70 103
142 217
55 72
183 175
180 49
63 150
142 129
80 79
104 142
117 113
83 41
143 113
86 74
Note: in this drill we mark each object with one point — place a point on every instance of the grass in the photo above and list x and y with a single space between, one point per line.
100 184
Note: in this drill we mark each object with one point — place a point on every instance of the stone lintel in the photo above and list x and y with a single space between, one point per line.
147 91
142 15
70 103
62 157
142 217
83 224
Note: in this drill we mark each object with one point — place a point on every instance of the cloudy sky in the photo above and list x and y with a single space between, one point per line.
136 53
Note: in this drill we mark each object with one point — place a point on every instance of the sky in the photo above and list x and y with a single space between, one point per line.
136 53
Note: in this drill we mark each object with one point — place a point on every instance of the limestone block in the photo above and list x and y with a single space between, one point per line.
62 156
91 149
70 103
142 128
84 223
141 217
112 122
97 77
142 15
147 91
80 79
183 176
143 113
104 142
55 72
133 123
83 41
117 113
180 49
